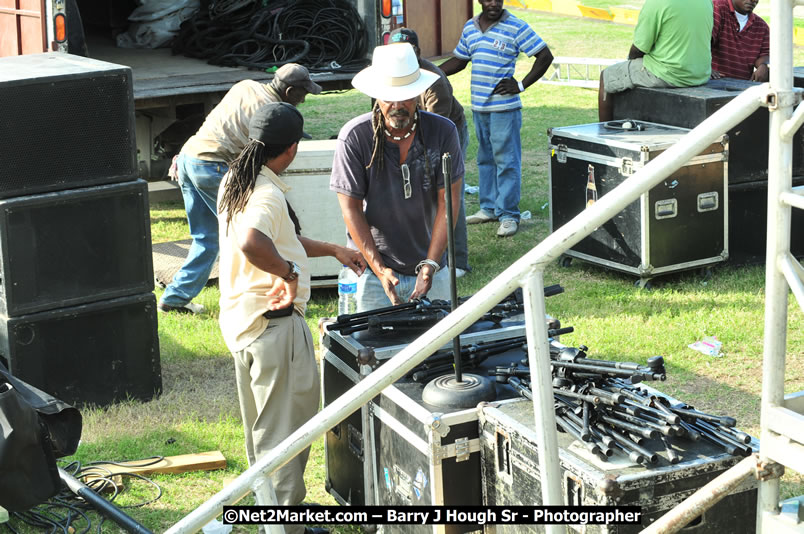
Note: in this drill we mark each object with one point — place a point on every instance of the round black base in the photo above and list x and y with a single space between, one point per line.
446 392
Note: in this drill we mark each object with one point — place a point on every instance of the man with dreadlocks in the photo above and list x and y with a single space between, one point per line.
388 176
265 285
202 162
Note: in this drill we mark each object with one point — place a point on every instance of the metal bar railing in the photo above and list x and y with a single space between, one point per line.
519 274
542 387
780 168
703 499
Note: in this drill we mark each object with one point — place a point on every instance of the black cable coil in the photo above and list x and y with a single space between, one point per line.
323 35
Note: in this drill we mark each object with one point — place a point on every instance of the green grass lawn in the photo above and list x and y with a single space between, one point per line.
198 409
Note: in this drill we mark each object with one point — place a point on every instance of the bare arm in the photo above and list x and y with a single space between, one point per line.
509 86
358 227
635 53
438 241
453 65
351 258
762 72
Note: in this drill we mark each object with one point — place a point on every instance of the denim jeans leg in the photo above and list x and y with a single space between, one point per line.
199 182
506 143
486 168
370 293
461 245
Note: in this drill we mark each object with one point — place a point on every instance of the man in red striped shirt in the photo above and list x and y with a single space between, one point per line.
740 41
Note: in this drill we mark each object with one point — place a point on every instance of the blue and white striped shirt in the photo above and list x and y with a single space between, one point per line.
493 55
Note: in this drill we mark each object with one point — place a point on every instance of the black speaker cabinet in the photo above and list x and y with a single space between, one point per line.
65 121
96 353
73 247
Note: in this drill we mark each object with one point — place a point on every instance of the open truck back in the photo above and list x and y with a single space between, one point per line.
173 93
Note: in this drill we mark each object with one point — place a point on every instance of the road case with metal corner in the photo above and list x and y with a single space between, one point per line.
679 224
511 477
350 448
426 455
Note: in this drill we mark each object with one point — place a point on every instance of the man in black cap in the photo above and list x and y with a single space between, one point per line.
438 99
265 285
203 161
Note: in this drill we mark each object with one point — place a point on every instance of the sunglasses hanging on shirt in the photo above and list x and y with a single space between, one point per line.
406 181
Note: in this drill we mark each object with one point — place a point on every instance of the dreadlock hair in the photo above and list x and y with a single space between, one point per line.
243 177
378 127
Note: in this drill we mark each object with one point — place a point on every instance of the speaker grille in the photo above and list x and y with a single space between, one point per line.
66 132
71 247
97 353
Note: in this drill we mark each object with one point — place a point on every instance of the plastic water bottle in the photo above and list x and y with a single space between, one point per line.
347 291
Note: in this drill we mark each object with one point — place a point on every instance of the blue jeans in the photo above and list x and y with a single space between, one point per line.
461 246
371 295
499 162
199 181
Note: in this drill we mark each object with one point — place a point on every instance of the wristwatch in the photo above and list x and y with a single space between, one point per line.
294 273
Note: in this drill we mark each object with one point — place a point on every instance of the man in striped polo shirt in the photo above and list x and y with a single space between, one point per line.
492 41
740 41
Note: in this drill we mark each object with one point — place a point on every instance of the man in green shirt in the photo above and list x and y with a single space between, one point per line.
671 49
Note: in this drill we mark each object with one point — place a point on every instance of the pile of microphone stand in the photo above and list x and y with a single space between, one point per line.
599 403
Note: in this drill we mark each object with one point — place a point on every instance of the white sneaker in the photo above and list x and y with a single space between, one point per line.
480 217
459 272
507 228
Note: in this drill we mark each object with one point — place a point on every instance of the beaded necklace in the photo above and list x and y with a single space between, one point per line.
410 132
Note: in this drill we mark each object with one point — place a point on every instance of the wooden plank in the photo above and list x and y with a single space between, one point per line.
201 461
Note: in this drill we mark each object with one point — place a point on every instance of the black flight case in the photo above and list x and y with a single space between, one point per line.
687 107
680 224
397 450
511 477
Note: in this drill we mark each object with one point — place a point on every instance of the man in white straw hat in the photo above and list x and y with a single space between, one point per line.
390 184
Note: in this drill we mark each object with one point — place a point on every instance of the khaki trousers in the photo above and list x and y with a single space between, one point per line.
279 391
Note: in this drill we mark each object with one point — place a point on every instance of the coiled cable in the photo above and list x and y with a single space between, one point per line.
323 35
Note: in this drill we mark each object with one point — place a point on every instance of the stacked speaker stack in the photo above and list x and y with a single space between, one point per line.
77 309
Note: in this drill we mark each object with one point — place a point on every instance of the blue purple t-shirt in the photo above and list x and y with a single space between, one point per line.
401 227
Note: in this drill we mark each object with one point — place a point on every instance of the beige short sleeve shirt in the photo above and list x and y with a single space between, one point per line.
225 130
243 286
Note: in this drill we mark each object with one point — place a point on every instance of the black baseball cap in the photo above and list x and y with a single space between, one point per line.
404 35
277 123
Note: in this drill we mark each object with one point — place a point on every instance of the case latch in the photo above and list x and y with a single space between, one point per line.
626 166
462 449
561 153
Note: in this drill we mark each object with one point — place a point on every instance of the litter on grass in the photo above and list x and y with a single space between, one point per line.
708 345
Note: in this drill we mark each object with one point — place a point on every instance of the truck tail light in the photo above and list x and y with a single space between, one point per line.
386 36
386 8
60 25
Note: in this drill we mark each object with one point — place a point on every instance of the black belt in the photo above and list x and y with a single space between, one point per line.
282 312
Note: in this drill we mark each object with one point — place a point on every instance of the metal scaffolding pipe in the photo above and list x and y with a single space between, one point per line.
465 315
544 412
780 180
793 274
703 499
791 126
794 200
